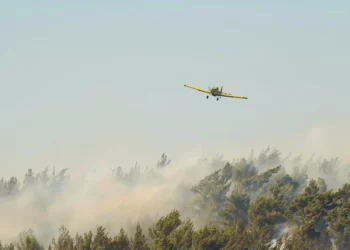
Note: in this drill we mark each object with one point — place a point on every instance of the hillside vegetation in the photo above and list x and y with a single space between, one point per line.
264 202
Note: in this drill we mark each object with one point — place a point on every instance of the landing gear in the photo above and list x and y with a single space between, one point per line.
217 99
207 96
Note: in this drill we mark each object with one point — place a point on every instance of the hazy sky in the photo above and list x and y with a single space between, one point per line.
101 83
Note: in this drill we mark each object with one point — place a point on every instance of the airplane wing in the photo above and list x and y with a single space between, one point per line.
233 96
202 90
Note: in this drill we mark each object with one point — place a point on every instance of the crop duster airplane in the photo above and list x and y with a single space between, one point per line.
216 92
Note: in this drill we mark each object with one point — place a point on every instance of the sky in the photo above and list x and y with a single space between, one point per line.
91 83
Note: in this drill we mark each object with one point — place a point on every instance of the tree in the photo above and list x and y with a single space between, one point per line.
235 208
321 183
64 241
101 240
83 243
210 195
163 161
28 241
285 190
209 238
300 176
139 240
121 241
265 212
8 188
338 219
252 184
160 232
7 247
309 210
181 237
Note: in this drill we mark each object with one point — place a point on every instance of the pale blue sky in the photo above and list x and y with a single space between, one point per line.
91 83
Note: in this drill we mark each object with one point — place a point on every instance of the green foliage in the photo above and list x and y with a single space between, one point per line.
235 208
83 243
139 240
210 195
181 237
121 241
64 241
245 204
298 241
239 237
265 211
321 183
242 170
263 215
252 184
160 232
300 176
309 210
101 240
339 219
209 238
285 190
27 241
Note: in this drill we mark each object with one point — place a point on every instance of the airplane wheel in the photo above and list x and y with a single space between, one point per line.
207 96
217 99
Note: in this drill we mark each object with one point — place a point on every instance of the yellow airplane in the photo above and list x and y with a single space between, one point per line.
216 92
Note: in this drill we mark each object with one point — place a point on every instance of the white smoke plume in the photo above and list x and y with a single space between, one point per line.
115 199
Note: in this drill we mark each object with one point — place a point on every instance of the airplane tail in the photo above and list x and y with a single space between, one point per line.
221 89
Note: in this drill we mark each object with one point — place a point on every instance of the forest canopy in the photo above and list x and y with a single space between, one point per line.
263 202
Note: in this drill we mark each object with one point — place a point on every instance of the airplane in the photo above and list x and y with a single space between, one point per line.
216 92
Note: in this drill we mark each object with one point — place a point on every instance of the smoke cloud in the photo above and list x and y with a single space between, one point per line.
114 198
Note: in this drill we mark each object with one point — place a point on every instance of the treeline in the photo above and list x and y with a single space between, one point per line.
242 205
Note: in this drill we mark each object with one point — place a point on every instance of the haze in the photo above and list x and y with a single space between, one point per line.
101 84
93 86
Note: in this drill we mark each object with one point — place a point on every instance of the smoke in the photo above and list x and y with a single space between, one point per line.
281 229
114 198
98 197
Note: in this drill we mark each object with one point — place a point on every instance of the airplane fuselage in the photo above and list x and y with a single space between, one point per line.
215 92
